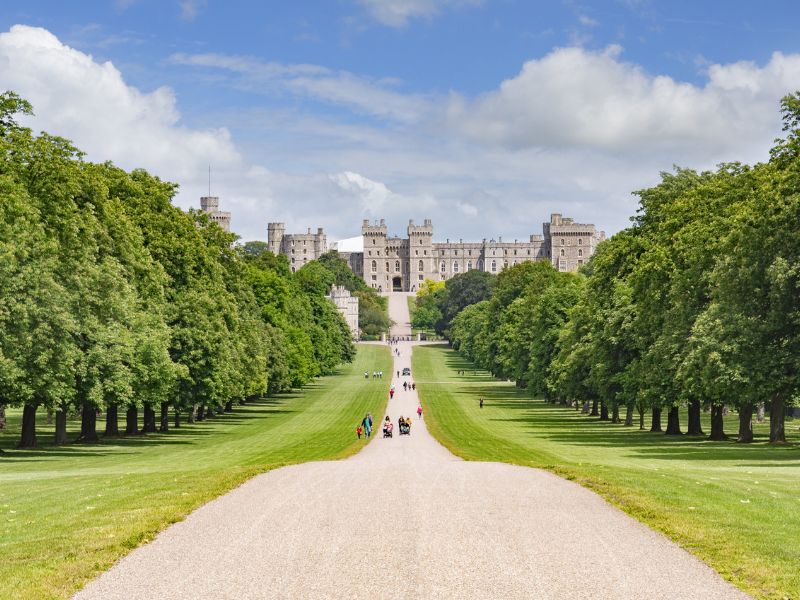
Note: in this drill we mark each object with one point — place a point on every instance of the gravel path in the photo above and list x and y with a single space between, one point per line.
406 519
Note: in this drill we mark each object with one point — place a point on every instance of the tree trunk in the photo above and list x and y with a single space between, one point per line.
190 415
229 406
177 418
694 427
629 415
201 413
717 424
88 423
594 412
28 437
61 427
641 419
760 413
603 411
655 421
2 417
132 420
674 421
149 424
164 427
777 431
49 419
112 421
745 424
615 413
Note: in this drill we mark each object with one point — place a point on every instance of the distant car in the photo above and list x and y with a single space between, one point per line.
406 372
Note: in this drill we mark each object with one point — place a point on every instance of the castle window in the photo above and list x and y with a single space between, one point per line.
370 252
373 241
425 252
305 251
562 252
529 251
494 266
374 266
374 277
562 241
455 267
416 252
397 266
421 267
469 252
304 242
420 242
387 267
421 277
480 265
580 242
580 261
456 252
515 252
580 252
444 266
492 252
469 265
293 269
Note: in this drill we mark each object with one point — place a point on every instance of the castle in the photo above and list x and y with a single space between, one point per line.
210 206
403 263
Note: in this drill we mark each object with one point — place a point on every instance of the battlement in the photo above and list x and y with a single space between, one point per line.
378 228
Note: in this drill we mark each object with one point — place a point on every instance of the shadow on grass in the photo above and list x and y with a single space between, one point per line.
187 434
565 425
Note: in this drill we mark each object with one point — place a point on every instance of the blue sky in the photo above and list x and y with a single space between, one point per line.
466 111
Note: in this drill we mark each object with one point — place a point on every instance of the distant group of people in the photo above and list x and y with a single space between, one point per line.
409 386
397 339
375 374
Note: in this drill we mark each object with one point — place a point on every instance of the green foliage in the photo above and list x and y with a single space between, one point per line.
696 305
111 297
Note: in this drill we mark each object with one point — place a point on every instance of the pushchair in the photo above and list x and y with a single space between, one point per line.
405 428
387 430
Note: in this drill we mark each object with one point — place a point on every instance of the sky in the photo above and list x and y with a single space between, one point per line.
483 115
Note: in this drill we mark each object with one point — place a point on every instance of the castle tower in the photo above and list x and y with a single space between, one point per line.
210 206
375 258
320 243
421 258
275 232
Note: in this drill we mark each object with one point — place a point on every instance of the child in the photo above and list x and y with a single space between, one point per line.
419 412
358 431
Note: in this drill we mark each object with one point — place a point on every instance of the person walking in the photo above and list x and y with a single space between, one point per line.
367 426
359 431
419 411
481 402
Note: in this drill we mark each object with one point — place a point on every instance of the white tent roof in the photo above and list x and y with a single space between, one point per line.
353 244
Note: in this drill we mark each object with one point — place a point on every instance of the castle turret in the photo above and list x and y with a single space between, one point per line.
210 206
422 261
375 258
275 232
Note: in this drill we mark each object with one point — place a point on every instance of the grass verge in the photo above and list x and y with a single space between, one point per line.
736 507
68 513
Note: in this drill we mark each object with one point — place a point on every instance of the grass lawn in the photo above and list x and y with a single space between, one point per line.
68 513
737 507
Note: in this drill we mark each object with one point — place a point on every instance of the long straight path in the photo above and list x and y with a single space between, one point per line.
404 518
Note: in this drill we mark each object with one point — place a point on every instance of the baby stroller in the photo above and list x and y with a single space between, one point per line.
387 430
405 428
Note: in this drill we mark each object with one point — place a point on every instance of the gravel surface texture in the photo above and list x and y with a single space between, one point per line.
404 518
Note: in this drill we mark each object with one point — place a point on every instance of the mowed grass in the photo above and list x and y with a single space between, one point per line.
68 513
737 507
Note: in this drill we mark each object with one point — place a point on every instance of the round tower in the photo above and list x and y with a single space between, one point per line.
275 232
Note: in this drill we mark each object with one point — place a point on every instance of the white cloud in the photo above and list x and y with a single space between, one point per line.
80 99
587 21
574 98
397 13
374 97
190 8
574 132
